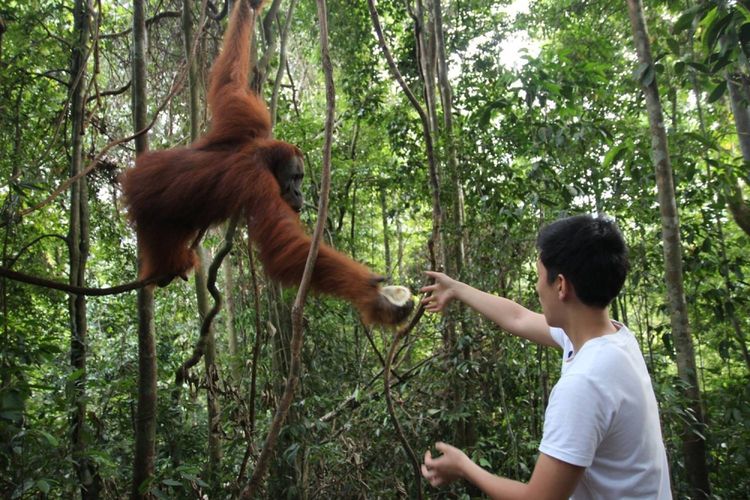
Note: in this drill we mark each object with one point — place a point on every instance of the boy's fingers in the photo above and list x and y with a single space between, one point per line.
426 472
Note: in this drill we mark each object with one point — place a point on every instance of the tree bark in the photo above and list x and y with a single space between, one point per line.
455 234
424 37
213 465
78 242
737 204
145 422
458 234
694 446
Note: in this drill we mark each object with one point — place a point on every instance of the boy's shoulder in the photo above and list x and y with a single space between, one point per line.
609 359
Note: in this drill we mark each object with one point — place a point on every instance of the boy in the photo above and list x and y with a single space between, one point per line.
601 436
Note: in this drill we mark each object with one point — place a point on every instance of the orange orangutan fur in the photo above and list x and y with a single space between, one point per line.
173 195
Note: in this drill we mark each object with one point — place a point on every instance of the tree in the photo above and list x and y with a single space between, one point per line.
78 243
145 420
694 445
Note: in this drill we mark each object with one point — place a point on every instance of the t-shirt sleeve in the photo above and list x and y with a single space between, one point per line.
577 418
558 335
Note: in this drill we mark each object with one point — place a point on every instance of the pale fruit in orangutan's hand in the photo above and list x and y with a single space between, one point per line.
396 295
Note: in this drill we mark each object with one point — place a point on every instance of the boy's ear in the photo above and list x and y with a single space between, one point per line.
563 286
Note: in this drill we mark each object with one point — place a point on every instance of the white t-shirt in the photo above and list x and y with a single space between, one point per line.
602 415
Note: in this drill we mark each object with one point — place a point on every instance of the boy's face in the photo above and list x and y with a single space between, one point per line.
548 295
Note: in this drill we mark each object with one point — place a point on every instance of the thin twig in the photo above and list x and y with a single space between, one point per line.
149 22
389 401
353 402
387 382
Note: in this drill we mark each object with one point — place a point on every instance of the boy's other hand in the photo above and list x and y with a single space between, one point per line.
441 293
447 468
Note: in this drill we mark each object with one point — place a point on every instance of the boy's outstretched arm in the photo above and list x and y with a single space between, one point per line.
551 479
508 315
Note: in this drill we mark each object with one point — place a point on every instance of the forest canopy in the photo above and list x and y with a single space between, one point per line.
453 131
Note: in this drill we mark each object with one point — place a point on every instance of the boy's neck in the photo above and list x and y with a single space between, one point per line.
583 323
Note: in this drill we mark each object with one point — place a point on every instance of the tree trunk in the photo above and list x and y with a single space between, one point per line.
737 205
213 465
145 421
400 253
742 124
458 233
78 242
425 40
455 231
694 446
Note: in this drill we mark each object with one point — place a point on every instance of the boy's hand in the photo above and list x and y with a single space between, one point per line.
446 468
442 292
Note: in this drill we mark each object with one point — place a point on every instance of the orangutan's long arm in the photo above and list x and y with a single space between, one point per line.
238 115
283 250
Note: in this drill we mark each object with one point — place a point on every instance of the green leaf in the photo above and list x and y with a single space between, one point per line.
12 405
158 494
679 68
700 67
715 29
43 486
645 74
171 482
52 440
686 18
674 46
717 92
683 22
488 112
721 63
744 39
614 155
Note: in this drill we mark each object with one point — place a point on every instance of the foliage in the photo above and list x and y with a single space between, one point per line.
557 128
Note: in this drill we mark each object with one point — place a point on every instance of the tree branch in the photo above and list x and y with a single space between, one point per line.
149 22
213 270
389 401
77 290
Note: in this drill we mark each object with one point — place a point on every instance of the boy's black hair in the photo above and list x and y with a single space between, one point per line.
590 252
